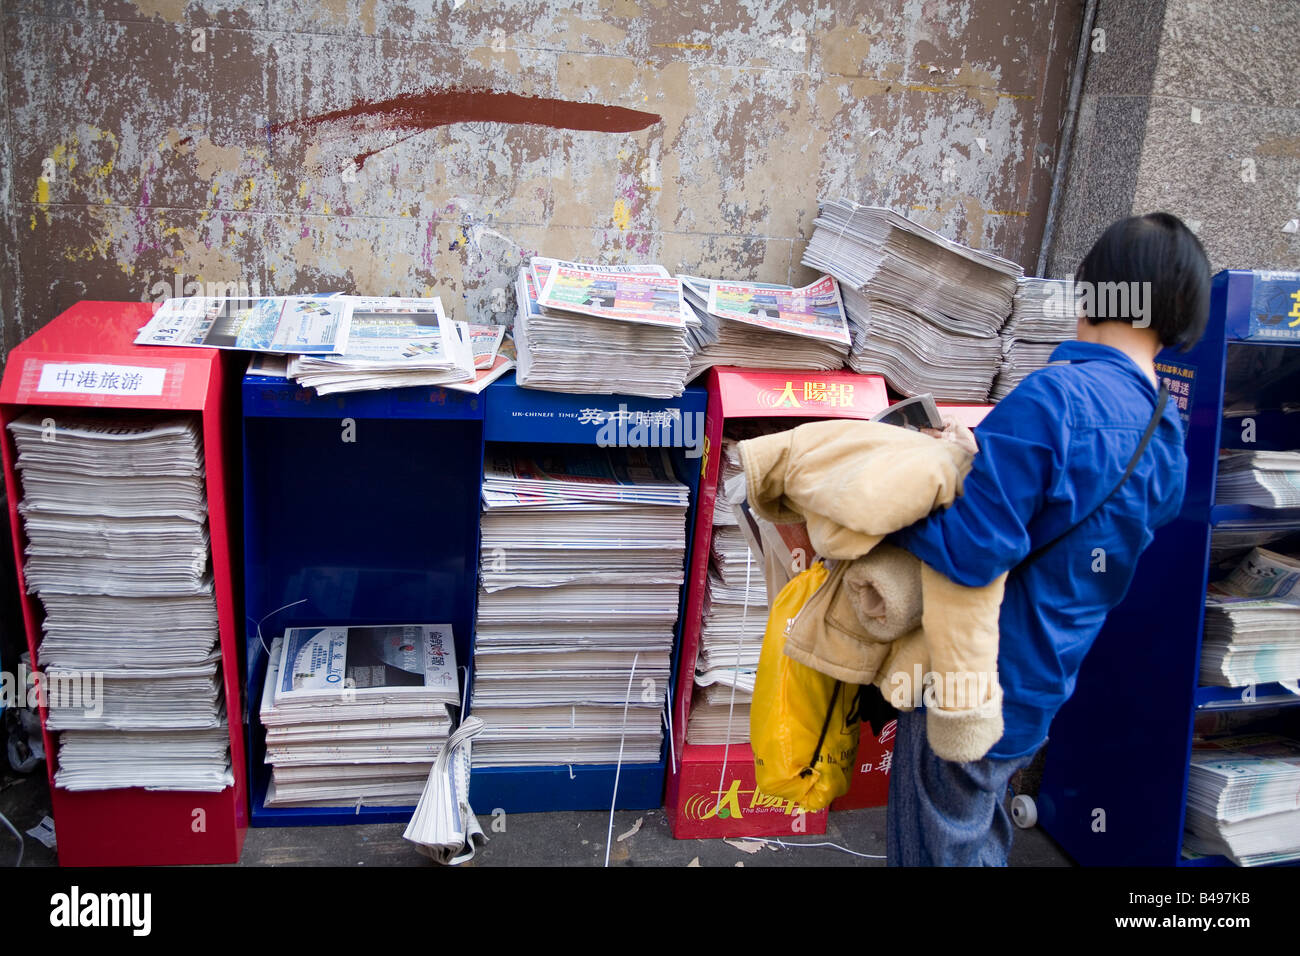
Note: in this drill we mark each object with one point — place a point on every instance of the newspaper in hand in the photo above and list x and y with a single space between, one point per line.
647 299
301 325
915 413
814 311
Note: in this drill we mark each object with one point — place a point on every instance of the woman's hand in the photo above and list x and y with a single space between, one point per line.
955 432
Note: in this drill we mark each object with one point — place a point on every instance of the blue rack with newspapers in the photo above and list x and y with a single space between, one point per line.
529 422
1115 783
359 509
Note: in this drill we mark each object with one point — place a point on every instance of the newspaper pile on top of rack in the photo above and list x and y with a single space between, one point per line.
1042 317
339 343
1252 623
357 715
760 325
582 566
924 311
1242 796
601 329
115 514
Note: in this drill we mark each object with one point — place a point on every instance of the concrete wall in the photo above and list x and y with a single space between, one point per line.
1193 108
152 143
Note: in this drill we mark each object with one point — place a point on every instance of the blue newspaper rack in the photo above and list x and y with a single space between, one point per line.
522 415
1114 789
360 508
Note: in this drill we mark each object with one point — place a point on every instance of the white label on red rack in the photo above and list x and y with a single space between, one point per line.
97 379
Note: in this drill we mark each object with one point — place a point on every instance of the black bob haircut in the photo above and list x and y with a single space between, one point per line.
1159 249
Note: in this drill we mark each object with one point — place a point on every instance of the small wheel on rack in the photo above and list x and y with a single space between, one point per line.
1023 811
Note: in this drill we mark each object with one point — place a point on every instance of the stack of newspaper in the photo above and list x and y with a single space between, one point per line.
1230 541
1243 799
1042 318
924 311
1268 479
611 330
115 514
339 343
582 565
731 633
1252 623
396 342
357 715
757 325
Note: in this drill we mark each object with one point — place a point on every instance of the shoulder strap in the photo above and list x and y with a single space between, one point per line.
1161 400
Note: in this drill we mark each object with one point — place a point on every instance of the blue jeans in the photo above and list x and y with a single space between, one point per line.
942 813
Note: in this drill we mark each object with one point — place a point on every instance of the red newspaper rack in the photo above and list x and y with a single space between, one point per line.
711 790
85 358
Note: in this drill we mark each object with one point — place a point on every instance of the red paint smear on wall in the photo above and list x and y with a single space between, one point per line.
433 108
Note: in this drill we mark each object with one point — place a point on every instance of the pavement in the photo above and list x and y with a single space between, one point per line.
571 839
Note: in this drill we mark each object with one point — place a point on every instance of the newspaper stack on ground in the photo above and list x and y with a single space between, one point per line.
396 342
924 311
582 566
357 715
284 325
757 325
1243 799
1252 623
1042 317
611 330
115 514
1267 479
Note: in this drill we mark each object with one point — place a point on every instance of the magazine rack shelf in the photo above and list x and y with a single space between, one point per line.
1122 743
364 508
137 826
524 415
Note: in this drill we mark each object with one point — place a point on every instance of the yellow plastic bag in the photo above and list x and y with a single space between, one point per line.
802 723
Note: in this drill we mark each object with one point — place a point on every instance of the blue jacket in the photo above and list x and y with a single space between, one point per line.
1049 453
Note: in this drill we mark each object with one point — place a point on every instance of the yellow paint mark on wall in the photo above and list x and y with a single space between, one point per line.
43 191
326 211
62 156
684 46
302 189
622 215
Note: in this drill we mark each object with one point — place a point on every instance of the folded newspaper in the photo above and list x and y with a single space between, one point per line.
444 827
302 324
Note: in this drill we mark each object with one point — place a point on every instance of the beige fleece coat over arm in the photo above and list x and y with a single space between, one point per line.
852 483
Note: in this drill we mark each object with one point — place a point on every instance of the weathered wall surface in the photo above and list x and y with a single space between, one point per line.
1193 108
304 146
